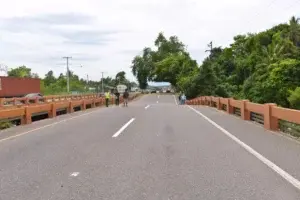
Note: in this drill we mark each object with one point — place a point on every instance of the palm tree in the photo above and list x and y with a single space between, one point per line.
295 30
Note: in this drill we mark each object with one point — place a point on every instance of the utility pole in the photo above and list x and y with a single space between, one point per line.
102 86
68 72
210 45
87 81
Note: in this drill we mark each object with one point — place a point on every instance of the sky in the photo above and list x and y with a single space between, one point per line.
105 35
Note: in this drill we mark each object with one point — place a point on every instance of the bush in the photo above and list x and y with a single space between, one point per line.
5 125
294 98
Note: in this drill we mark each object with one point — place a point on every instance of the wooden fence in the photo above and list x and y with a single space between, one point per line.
268 114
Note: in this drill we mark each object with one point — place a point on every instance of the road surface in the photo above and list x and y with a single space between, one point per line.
152 150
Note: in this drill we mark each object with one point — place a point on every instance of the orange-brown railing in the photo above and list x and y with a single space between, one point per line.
11 102
270 112
25 112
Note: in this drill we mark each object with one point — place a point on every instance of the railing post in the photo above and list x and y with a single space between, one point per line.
26 101
83 107
2 102
219 105
15 102
229 107
270 122
93 104
245 114
52 112
23 117
27 115
70 108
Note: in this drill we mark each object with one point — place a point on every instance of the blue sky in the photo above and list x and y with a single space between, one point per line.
105 35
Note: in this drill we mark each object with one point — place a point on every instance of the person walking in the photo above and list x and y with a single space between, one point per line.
125 97
117 94
107 97
183 99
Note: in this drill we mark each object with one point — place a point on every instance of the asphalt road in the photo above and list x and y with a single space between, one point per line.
154 150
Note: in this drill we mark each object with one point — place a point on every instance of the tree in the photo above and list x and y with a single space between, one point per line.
22 72
120 77
294 30
49 78
294 98
167 63
262 67
140 70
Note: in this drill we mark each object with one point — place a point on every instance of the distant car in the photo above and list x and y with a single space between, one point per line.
34 95
168 91
153 91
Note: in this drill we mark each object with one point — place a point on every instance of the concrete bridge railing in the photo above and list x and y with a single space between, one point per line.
25 112
270 115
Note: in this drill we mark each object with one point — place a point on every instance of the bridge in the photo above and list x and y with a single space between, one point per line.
154 149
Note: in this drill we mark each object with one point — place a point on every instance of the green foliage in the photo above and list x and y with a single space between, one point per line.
5 124
21 71
294 98
262 67
168 62
52 85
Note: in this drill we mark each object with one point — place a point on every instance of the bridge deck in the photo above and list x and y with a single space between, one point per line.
154 149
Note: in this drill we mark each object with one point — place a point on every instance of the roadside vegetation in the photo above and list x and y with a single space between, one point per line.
51 85
262 67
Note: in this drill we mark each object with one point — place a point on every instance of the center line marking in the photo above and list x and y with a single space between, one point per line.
157 102
147 107
123 128
270 164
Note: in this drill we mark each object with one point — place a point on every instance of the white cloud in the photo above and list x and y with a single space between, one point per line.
105 35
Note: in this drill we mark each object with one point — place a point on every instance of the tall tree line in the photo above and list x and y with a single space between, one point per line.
51 84
262 67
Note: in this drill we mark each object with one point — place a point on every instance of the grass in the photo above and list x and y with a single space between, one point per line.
290 128
5 124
